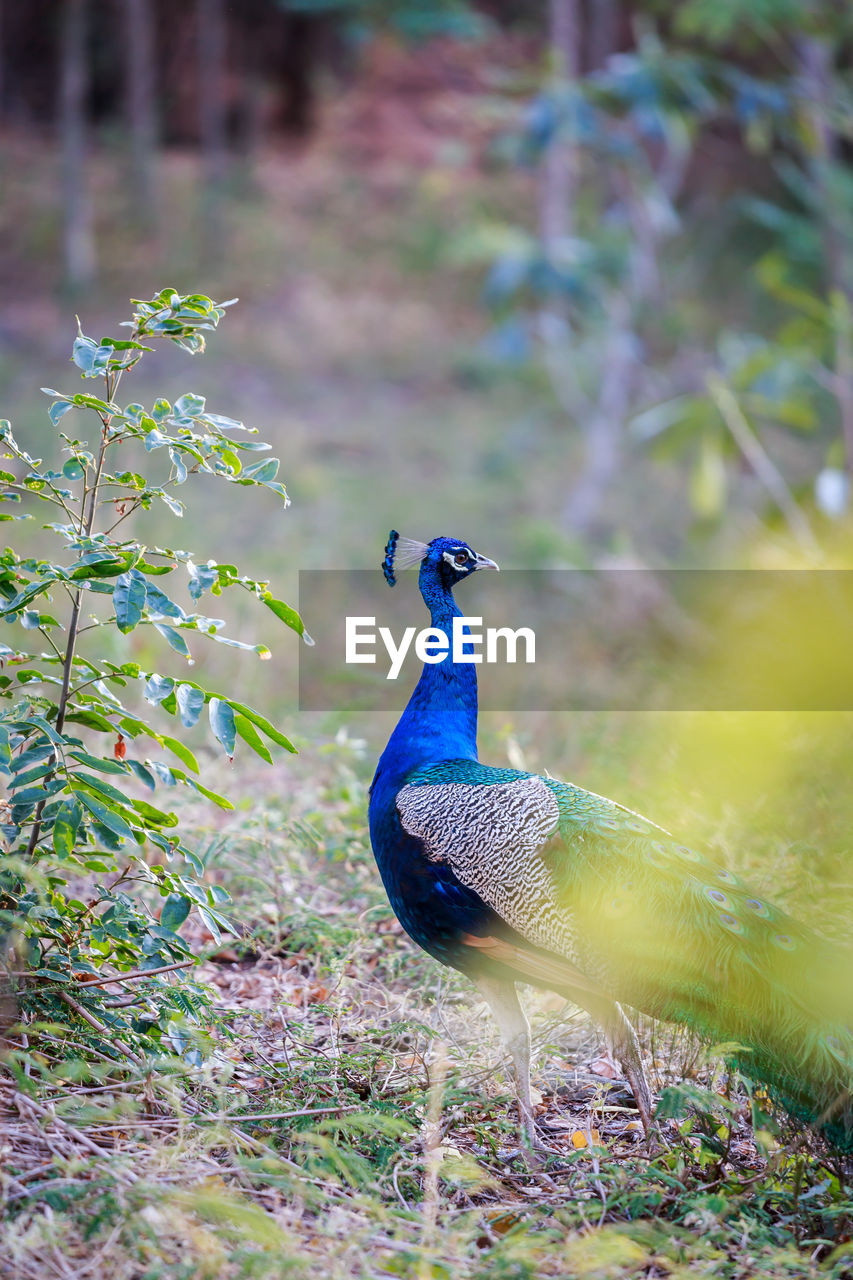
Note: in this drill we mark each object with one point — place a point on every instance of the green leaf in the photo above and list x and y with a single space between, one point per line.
250 735
124 344
175 639
157 688
179 465
152 816
176 507
183 753
58 410
105 816
222 423
106 837
176 908
41 751
129 600
144 775
285 612
105 789
89 719
222 801
260 649
155 570
99 565
190 702
29 797
90 356
103 407
261 722
98 762
159 602
189 405
261 472
65 828
155 440
223 724
211 923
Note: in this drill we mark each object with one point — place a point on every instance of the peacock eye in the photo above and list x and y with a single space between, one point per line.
461 557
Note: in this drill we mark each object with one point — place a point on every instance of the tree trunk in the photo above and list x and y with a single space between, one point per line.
298 73
602 426
560 160
3 103
78 240
603 34
603 430
140 110
211 106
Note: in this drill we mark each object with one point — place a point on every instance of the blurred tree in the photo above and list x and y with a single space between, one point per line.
78 236
140 109
604 32
822 108
3 102
210 16
799 379
593 296
585 296
560 159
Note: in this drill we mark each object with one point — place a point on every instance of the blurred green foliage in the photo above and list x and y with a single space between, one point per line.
601 304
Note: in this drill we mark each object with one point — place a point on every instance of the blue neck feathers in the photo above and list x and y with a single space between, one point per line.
440 720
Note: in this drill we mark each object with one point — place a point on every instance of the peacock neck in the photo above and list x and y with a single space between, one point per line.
440 719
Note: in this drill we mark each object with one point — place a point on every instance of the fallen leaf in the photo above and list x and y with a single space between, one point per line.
500 1221
603 1067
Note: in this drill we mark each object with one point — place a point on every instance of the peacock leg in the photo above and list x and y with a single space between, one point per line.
502 998
622 1040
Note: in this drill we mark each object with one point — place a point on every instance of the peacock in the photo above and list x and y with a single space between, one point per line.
512 877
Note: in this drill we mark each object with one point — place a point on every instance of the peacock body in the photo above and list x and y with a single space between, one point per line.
509 876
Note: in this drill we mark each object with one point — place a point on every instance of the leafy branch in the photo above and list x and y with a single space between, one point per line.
72 805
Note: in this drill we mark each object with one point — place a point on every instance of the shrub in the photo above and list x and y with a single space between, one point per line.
72 752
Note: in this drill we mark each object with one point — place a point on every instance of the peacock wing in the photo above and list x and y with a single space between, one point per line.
490 827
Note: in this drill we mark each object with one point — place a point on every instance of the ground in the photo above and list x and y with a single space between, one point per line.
351 1112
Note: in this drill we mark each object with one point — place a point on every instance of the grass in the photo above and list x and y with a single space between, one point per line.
351 1113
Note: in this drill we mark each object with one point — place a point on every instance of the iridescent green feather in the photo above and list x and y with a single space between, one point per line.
668 932
682 939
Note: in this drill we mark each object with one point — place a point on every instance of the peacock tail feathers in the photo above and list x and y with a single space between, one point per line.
654 923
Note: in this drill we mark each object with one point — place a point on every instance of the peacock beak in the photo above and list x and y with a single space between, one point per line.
483 562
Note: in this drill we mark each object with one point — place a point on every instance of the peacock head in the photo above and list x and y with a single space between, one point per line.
448 560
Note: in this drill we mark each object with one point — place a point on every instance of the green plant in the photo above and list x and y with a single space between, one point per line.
85 855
